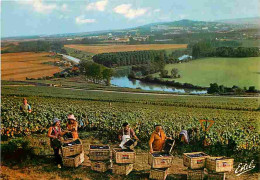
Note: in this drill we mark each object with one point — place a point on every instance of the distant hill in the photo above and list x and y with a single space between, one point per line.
253 20
181 25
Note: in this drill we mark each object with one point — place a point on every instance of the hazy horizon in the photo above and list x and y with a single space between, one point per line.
34 18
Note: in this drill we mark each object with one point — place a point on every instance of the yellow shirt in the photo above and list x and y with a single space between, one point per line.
157 140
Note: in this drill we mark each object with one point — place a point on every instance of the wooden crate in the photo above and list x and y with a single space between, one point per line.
72 149
99 152
216 176
73 161
123 156
130 144
195 174
159 174
122 169
219 164
160 160
195 160
100 166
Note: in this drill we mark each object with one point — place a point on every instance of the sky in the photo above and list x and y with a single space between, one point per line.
43 17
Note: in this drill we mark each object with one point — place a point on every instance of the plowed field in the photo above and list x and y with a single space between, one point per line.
18 66
122 48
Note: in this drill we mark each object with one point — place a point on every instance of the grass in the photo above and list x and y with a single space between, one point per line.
243 72
166 100
250 43
121 48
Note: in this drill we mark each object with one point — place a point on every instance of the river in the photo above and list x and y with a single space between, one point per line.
123 81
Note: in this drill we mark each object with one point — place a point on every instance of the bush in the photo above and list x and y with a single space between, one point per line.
17 150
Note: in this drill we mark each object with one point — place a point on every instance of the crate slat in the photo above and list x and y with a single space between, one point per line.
194 162
158 174
72 150
100 166
99 154
160 162
122 169
219 164
73 161
193 174
124 157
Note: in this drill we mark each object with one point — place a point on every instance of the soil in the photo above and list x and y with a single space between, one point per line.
45 169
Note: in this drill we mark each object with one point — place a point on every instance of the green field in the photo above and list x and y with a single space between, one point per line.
243 72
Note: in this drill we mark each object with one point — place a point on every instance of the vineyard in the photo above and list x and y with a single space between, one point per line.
234 129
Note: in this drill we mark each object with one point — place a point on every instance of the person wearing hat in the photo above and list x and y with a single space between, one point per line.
25 107
55 134
157 139
72 126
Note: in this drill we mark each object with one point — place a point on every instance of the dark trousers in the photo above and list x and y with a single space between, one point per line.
57 157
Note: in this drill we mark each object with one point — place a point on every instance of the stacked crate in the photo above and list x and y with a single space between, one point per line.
218 166
99 156
196 162
123 161
202 166
72 153
160 163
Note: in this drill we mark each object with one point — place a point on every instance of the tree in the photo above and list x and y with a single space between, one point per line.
174 72
214 88
107 74
164 74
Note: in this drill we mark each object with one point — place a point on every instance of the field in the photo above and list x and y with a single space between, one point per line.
120 48
18 66
243 72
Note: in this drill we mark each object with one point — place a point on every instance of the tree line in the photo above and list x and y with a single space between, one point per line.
220 89
115 59
35 46
208 48
95 72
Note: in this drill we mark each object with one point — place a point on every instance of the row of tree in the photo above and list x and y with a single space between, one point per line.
209 48
35 46
128 58
220 89
96 72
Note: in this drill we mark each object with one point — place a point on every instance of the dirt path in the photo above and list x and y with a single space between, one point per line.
47 170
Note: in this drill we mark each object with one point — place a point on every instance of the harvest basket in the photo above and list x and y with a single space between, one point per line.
99 152
72 148
195 174
73 161
122 169
159 174
100 166
160 160
195 160
123 156
219 164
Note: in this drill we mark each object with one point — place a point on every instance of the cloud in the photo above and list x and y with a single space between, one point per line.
128 12
157 10
39 6
99 5
82 20
64 7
